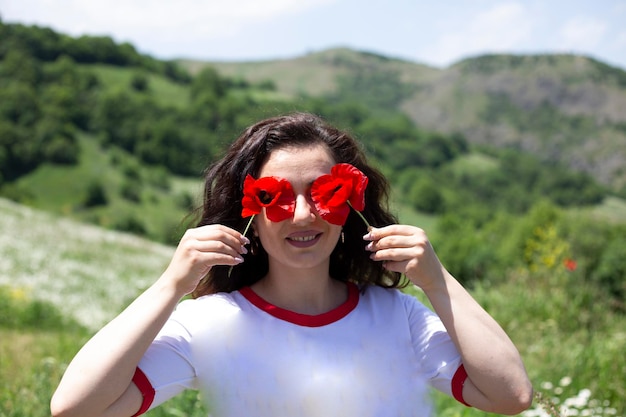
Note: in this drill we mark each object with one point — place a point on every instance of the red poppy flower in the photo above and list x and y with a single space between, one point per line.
335 193
274 194
570 264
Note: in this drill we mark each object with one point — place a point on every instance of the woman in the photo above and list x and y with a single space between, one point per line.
300 315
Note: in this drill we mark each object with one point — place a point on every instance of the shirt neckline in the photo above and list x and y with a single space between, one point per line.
300 319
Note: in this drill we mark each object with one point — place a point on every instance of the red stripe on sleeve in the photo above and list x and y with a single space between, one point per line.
146 389
458 380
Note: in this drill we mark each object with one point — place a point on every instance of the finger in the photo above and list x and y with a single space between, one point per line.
218 247
206 236
395 254
393 241
394 229
192 251
400 267
216 231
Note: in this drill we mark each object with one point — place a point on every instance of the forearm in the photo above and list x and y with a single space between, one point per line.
101 372
497 380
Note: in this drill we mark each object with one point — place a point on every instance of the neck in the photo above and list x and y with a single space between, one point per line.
305 292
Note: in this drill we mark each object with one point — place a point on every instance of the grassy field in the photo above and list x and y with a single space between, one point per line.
61 279
134 192
163 90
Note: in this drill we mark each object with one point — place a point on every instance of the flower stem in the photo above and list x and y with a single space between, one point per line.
361 216
230 270
248 225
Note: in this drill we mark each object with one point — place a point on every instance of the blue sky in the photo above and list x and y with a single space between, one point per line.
437 33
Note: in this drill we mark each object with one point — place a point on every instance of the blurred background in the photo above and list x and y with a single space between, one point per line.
501 125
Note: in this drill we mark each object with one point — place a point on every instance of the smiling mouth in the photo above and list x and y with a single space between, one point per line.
303 238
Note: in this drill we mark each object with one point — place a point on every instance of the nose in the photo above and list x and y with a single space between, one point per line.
304 212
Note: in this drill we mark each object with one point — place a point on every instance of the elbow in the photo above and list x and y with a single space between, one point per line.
57 409
524 397
518 402
60 406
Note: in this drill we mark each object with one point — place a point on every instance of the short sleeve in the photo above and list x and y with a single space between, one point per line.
167 363
437 355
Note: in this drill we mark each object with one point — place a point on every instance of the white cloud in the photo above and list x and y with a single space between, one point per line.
582 33
437 33
500 28
154 18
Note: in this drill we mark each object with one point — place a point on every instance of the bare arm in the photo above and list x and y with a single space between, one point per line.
497 380
98 380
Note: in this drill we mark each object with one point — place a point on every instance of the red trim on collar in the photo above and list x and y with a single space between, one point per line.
305 319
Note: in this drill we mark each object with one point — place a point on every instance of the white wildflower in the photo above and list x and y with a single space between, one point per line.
87 272
579 401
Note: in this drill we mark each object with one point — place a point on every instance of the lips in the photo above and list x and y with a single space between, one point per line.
304 239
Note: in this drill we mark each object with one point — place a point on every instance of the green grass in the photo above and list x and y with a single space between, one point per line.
612 209
163 90
474 164
163 200
407 215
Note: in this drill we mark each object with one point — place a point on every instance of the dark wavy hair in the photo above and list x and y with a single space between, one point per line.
224 190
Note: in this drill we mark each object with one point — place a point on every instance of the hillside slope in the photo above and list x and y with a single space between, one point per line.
317 73
564 108
569 109
88 272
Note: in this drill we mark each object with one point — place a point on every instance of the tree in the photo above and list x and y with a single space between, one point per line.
19 66
208 82
425 196
19 104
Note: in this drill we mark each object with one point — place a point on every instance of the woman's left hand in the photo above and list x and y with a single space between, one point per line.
406 249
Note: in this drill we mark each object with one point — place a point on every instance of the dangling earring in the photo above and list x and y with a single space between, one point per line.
343 237
254 243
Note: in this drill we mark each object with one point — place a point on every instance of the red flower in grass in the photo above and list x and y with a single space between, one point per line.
335 193
570 264
275 194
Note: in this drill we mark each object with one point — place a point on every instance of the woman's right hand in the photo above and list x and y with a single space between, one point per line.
199 250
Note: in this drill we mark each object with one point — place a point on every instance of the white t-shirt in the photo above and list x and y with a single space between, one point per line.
375 355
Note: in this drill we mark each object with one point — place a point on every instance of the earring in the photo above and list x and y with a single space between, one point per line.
343 237
254 246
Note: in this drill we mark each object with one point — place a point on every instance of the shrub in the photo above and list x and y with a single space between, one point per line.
131 190
130 223
611 269
139 82
96 195
425 196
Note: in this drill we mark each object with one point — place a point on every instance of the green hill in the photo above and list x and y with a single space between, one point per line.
565 108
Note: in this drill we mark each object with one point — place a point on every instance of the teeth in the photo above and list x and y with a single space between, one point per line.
303 238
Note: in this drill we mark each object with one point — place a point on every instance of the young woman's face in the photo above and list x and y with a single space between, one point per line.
304 241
